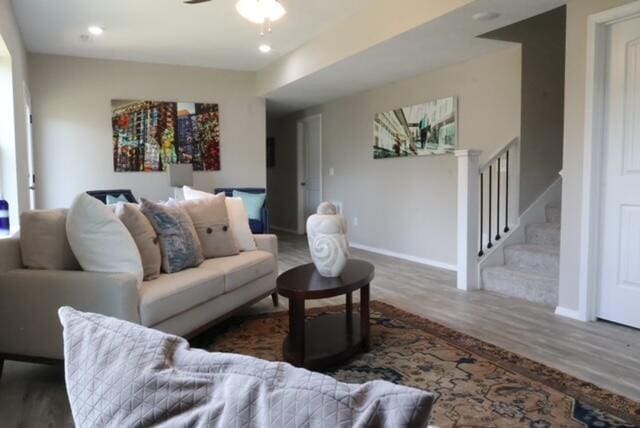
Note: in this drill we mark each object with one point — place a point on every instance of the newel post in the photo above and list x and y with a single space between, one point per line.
468 213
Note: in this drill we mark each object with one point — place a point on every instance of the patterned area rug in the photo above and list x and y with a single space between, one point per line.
476 383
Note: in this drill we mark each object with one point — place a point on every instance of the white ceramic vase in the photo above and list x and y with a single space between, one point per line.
327 236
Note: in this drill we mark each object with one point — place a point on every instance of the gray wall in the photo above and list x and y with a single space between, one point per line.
403 205
72 124
543 53
578 12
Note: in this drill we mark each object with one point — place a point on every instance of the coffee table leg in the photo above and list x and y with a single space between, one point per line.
349 315
364 316
296 328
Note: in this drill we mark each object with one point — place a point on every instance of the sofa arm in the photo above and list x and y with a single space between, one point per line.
10 257
267 243
29 302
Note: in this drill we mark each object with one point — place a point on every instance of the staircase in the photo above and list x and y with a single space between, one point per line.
531 269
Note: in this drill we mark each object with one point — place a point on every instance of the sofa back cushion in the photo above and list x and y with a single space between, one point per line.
179 242
43 240
211 221
99 240
145 237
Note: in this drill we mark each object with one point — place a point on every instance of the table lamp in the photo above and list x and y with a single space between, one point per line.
180 174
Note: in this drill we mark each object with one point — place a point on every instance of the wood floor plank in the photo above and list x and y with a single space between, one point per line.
603 353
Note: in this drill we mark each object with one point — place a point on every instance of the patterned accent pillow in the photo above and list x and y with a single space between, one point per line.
179 242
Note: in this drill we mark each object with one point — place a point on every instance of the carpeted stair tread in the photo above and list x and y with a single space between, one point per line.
534 258
543 233
515 282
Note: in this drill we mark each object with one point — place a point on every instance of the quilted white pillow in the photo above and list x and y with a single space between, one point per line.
99 240
238 217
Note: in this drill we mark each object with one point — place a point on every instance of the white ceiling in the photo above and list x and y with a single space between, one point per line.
168 31
447 40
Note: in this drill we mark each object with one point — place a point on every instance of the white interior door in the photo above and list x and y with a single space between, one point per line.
619 270
311 184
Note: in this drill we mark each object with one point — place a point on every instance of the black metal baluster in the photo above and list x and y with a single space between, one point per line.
481 253
489 244
506 197
498 204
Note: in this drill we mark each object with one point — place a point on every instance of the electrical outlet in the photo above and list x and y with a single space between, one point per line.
355 221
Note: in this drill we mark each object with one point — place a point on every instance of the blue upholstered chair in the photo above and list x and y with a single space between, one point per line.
257 226
102 194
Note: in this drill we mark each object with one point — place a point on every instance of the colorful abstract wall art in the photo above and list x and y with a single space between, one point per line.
418 130
150 135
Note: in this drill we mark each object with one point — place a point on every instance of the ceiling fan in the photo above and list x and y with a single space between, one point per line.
262 12
256 11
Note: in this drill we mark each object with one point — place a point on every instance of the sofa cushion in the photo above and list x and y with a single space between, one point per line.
171 294
43 240
211 221
241 269
99 240
145 237
179 242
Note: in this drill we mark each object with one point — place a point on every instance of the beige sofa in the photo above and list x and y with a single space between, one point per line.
181 303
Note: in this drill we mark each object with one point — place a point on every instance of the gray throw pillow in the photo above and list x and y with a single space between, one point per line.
211 222
179 242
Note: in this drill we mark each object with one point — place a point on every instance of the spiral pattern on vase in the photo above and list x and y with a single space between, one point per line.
329 253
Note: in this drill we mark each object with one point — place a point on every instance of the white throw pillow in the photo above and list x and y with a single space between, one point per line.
238 217
99 240
239 224
191 194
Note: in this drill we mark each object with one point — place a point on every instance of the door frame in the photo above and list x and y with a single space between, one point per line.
300 169
594 142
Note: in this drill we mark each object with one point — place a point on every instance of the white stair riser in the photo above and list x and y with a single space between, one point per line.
543 234
545 263
553 214
534 289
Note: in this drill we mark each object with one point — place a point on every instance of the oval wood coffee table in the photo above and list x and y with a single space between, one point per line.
327 339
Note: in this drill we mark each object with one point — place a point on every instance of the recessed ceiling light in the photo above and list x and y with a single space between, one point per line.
96 30
264 48
485 16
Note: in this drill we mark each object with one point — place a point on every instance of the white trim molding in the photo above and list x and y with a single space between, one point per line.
593 145
408 257
569 313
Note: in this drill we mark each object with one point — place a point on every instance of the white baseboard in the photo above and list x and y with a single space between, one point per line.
408 257
569 313
284 229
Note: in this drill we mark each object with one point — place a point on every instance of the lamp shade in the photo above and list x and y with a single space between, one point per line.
180 174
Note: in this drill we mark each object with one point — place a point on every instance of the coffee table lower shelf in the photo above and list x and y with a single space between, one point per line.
328 340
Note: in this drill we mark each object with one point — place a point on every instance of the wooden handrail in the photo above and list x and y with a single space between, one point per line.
499 153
